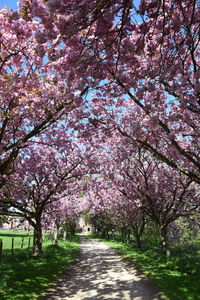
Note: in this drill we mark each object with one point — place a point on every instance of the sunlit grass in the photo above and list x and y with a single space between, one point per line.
176 277
7 239
26 277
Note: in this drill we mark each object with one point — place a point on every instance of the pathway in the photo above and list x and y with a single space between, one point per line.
98 274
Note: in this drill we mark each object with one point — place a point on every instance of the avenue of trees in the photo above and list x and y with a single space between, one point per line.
100 113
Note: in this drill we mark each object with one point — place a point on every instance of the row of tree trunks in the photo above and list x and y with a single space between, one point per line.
37 240
137 231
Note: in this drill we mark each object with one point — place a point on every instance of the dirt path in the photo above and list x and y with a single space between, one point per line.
100 273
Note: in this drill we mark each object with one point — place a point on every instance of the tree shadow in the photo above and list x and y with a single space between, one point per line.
10 234
99 273
26 276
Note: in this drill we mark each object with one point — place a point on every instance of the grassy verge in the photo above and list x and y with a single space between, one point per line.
7 237
25 277
177 277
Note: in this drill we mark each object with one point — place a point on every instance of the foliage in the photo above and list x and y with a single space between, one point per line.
142 63
31 102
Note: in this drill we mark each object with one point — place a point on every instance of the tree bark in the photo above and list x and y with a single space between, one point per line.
138 231
65 235
138 239
56 235
164 240
37 240
123 234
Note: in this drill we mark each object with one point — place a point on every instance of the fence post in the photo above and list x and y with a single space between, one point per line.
12 248
29 242
1 249
22 244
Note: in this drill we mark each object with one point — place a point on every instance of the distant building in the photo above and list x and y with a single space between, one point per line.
84 226
16 223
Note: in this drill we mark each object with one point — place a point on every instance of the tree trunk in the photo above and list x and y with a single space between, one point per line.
56 235
65 235
138 239
113 234
164 240
123 234
37 240
138 231
104 233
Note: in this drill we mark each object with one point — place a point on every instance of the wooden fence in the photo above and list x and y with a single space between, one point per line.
12 248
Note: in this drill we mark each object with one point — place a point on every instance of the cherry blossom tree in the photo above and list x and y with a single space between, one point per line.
62 214
110 211
146 53
160 192
33 94
134 218
100 200
44 176
140 66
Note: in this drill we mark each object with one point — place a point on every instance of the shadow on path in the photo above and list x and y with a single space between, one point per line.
100 273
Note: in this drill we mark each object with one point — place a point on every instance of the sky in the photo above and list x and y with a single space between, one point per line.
13 3
10 3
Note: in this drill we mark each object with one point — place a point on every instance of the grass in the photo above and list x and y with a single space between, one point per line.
26 277
176 277
17 235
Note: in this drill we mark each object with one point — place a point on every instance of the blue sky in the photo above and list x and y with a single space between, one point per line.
13 3
10 3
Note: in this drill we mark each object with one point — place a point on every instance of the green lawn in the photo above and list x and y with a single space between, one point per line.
177 277
7 236
26 277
